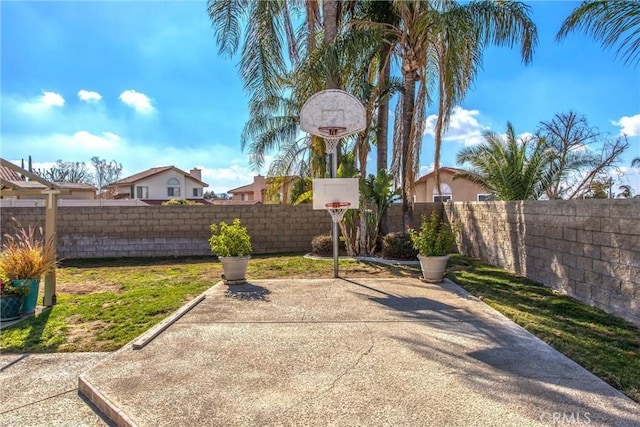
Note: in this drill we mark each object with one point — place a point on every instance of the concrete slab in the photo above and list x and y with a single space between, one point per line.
42 390
395 352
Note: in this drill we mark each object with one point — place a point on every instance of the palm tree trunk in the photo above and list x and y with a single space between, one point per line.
382 132
408 97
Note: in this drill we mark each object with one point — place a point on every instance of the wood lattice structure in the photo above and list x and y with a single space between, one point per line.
36 186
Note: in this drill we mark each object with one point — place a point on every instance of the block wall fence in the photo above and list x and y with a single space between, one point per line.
166 231
589 249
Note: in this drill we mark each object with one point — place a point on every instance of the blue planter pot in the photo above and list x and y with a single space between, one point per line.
10 307
31 299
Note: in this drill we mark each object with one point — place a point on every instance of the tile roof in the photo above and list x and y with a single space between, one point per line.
9 174
151 172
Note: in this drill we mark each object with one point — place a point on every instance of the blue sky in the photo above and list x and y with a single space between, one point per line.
141 82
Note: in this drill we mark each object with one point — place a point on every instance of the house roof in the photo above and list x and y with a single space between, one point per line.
244 189
9 174
443 169
151 172
234 202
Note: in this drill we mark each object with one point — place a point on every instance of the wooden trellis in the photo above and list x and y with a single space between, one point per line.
37 186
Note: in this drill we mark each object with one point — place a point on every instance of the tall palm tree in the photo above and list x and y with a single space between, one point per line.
612 22
442 42
508 168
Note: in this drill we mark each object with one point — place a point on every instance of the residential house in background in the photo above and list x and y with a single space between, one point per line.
73 190
264 190
458 190
157 185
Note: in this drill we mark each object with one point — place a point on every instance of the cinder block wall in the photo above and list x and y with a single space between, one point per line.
141 231
589 249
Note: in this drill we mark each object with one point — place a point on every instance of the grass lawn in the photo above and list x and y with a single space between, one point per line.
606 345
103 304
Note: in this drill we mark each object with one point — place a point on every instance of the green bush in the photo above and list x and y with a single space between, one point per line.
322 245
398 246
177 202
230 240
435 237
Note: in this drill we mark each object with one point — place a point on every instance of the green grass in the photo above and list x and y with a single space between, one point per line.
104 304
606 345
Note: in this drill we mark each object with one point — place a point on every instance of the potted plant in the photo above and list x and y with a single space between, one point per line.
11 298
434 241
25 259
232 245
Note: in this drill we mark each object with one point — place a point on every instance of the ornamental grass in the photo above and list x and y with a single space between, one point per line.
25 256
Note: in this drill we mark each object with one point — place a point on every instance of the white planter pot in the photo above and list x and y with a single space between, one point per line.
235 269
433 267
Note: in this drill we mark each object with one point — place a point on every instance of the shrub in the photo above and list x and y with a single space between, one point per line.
398 246
177 202
322 245
24 256
230 240
435 237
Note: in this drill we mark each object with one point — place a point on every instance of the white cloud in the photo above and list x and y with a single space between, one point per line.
630 125
463 127
427 169
89 96
38 106
137 100
51 99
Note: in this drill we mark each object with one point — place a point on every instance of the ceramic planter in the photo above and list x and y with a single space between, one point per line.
10 307
433 267
235 269
31 299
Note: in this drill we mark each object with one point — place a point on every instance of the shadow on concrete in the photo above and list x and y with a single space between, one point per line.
248 292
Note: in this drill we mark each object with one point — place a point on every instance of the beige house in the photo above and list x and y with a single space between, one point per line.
264 190
157 185
458 190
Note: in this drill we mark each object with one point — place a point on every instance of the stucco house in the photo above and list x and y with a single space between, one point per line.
458 190
157 185
263 190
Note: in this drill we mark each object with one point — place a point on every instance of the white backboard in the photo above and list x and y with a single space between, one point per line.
327 190
333 108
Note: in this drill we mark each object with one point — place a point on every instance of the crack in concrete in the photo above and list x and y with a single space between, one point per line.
317 393
39 401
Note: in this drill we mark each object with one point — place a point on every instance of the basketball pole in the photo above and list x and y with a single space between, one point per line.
336 237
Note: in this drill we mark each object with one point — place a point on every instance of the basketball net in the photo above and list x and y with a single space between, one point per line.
337 210
330 139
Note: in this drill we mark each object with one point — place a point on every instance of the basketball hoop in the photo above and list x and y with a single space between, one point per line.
331 138
337 210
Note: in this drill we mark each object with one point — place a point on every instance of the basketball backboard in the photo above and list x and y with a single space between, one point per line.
328 190
332 113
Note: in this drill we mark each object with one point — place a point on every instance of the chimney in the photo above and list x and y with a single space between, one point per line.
196 173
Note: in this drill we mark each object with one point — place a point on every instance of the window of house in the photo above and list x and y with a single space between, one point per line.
442 198
444 195
173 188
485 197
197 192
142 192
244 197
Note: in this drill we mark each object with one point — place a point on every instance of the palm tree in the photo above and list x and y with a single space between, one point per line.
626 191
442 41
610 22
508 168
